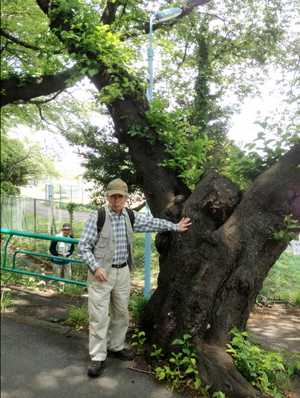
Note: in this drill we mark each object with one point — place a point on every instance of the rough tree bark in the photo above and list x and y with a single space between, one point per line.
209 276
37 87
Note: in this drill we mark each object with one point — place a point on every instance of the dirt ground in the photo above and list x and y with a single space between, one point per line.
277 327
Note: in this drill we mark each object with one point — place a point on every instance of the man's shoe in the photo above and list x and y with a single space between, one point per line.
95 368
124 355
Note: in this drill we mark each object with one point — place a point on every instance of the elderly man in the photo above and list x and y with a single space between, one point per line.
109 258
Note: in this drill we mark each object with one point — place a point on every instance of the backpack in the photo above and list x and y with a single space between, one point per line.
101 217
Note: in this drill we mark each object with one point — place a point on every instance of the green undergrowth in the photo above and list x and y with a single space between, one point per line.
269 372
78 317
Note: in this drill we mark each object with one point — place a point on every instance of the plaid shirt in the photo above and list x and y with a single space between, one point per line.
89 236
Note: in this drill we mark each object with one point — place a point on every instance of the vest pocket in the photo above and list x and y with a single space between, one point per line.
99 256
103 239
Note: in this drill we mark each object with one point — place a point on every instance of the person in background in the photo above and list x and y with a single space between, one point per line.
109 257
62 268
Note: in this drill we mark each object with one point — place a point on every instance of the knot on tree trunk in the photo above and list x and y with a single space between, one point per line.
219 211
221 197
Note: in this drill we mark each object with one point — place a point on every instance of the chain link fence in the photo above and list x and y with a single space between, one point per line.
283 280
47 217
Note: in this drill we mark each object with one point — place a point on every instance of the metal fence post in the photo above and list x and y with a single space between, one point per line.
147 257
51 225
34 222
10 212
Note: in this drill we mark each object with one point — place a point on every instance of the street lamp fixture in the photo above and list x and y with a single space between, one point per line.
161 16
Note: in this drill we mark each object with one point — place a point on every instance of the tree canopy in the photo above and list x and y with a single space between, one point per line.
228 50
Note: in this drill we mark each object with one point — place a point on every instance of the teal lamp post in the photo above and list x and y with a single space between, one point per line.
160 16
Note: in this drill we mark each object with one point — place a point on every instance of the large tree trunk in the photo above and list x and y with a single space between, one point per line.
210 276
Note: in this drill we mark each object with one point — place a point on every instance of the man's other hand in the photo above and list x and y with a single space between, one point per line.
100 274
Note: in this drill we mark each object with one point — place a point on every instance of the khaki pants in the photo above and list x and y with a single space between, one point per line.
108 331
62 270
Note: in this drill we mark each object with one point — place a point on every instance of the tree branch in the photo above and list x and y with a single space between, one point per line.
109 12
14 166
190 6
42 117
23 43
38 102
36 87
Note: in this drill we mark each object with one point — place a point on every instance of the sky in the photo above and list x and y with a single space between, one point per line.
243 130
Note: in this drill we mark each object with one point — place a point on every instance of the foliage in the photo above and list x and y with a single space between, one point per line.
104 159
43 54
219 394
188 155
283 280
264 370
22 279
71 206
8 188
243 165
157 353
182 365
140 338
211 118
19 163
288 235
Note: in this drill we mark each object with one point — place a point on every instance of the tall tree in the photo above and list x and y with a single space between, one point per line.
210 276
21 162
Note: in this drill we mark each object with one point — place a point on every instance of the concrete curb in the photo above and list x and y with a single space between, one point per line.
51 326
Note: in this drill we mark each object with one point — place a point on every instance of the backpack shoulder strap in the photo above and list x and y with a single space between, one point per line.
102 214
131 216
101 218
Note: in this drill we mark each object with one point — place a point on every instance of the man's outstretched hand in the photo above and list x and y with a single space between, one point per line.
184 224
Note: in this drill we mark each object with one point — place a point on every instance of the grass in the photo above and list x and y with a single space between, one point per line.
137 304
5 300
283 280
78 317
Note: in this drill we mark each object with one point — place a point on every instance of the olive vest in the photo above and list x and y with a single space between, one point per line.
104 249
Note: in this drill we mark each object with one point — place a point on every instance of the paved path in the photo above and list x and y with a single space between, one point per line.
37 363
276 328
44 359
59 214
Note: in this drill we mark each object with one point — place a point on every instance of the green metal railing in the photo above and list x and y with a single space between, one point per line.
11 233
